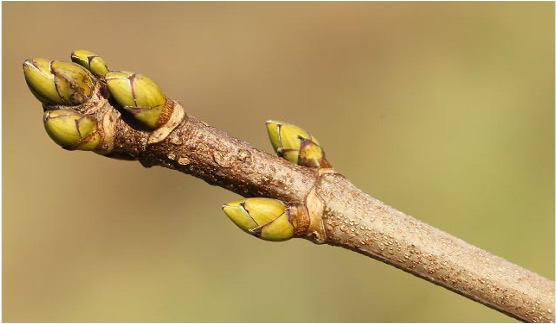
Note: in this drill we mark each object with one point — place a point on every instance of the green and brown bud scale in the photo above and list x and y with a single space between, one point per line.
265 218
57 82
140 96
91 61
72 130
296 145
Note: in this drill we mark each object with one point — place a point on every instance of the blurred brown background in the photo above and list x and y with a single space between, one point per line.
442 110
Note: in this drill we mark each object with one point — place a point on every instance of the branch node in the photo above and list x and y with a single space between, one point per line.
315 208
178 115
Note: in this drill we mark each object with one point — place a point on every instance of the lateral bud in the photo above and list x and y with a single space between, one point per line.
296 145
72 130
141 97
91 61
265 218
57 82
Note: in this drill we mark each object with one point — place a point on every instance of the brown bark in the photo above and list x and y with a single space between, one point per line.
350 218
366 225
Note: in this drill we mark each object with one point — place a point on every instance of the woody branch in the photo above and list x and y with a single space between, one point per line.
125 115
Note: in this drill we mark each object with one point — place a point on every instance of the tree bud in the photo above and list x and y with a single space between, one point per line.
57 82
138 95
91 61
71 130
265 218
296 145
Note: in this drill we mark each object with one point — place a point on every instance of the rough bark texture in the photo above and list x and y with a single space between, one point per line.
208 153
359 222
350 218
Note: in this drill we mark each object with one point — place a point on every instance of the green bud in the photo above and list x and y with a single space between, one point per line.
265 218
71 130
138 95
296 145
311 155
91 61
41 81
58 83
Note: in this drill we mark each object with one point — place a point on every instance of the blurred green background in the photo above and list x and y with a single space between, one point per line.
442 110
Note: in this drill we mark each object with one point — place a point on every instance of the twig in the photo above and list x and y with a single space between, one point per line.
336 212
